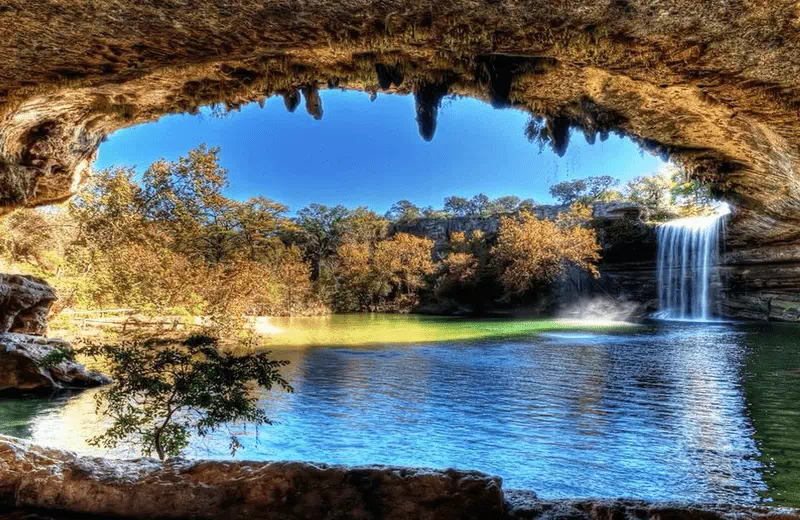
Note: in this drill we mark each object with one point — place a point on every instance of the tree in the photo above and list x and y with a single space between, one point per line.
363 225
363 278
585 191
404 211
110 210
24 236
367 274
568 192
693 196
653 191
165 392
187 197
320 229
409 258
530 251
431 212
527 205
479 205
504 205
458 206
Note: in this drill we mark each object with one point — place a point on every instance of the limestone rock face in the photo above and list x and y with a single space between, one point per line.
32 476
24 304
714 87
20 370
762 283
47 479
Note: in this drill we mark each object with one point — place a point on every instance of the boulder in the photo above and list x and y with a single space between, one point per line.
24 303
38 477
21 356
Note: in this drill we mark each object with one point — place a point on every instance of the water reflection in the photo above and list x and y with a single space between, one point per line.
660 412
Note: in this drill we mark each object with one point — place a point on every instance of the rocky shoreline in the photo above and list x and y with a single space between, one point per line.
47 483
24 305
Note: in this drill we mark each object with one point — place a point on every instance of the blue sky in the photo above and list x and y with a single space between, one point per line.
369 153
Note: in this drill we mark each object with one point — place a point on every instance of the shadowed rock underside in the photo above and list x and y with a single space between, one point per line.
713 85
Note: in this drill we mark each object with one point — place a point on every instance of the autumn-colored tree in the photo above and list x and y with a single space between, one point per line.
409 257
530 251
186 197
24 236
362 225
465 274
362 280
367 274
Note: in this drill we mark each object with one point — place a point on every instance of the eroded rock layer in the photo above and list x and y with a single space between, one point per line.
26 356
24 304
26 366
46 479
32 476
715 86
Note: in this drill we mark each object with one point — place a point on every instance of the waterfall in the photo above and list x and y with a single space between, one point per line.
688 255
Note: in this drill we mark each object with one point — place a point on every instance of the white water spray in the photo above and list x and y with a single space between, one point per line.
688 256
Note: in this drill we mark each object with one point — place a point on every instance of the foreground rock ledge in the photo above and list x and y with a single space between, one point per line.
22 370
36 477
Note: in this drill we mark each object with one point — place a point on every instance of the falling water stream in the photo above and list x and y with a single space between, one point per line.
688 256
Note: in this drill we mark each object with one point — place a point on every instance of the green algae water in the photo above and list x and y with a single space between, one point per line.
661 411
386 329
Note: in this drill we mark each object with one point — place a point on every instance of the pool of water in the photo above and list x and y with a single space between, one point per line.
701 412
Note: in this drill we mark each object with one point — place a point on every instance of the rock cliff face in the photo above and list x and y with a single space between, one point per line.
36 477
24 304
762 283
714 87
21 369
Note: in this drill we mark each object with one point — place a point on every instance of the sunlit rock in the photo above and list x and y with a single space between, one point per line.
36 477
23 366
33 476
24 304
313 101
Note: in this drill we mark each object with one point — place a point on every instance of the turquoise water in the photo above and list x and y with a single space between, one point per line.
670 411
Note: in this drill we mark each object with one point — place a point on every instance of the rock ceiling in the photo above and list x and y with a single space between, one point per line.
714 85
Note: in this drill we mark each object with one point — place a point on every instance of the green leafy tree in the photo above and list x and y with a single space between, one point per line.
504 205
404 211
320 229
164 392
585 191
187 197
654 192
527 205
431 212
458 206
480 205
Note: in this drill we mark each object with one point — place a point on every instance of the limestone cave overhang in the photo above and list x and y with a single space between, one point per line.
714 86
